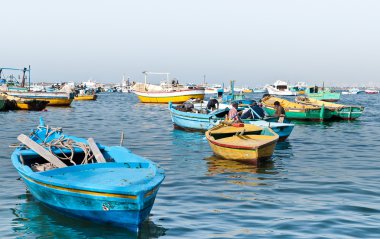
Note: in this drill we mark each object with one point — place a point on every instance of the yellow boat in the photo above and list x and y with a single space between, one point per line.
244 142
54 98
167 91
18 103
85 97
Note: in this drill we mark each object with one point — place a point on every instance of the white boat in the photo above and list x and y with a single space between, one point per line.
352 91
279 88
167 91
214 89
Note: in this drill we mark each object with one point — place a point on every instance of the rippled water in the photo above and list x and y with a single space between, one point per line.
323 182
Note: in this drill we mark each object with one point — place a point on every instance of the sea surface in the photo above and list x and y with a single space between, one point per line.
322 182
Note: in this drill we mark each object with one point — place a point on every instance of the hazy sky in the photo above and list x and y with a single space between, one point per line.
252 42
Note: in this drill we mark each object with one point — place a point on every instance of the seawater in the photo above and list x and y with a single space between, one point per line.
322 182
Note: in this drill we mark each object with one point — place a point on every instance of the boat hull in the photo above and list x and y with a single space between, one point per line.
85 97
34 105
100 208
54 98
328 97
338 111
253 155
302 114
166 97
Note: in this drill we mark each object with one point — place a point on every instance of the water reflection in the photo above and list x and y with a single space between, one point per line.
34 219
240 173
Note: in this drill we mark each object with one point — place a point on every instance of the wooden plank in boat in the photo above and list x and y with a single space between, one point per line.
94 148
41 151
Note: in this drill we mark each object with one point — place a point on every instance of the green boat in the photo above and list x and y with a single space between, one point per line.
324 94
346 112
297 111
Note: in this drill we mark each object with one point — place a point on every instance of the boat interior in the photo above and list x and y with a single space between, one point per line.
38 163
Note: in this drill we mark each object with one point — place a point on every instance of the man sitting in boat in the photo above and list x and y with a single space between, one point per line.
213 104
254 112
280 112
233 114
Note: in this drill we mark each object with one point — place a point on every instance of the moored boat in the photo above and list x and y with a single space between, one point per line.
371 91
81 178
17 103
347 112
85 95
167 91
322 93
54 98
242 142
200 119
297 111
352 91
280 88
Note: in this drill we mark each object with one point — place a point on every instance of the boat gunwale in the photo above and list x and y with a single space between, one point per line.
214 141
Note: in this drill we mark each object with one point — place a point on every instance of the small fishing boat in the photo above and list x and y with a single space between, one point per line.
167 91
54 98
242 142
371 91
297 111
201 119
64 97
81 178
352 91
85 95
322 93
347 112
280 88
17 103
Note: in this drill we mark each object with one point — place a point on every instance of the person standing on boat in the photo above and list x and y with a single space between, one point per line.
213 104
254 112
280 112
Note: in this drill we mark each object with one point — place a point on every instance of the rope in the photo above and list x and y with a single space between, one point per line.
63 143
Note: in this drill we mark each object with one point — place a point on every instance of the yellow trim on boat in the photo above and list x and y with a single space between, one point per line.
115 195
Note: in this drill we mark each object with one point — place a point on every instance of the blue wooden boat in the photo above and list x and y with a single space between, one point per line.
83 179
201 119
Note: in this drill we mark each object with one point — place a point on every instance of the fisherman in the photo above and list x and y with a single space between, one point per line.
233 114
254 112
213 104
280 112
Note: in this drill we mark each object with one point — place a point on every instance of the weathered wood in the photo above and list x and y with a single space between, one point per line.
96 151
41 151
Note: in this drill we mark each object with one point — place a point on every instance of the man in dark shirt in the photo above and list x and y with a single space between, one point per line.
254 112
213 104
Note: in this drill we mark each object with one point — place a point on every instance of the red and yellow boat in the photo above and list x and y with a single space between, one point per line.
242 142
